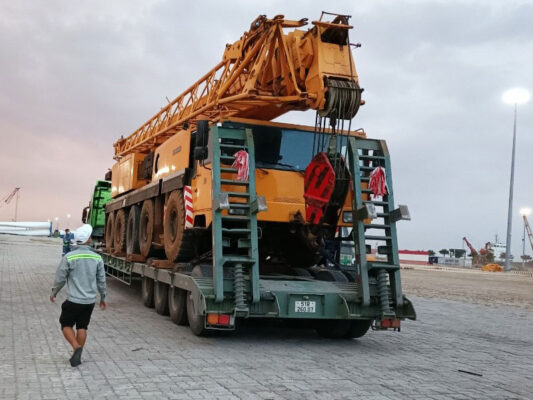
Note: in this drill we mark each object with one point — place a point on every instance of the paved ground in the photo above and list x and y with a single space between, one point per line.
133 353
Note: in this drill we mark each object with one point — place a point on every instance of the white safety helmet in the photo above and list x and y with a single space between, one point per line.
83 233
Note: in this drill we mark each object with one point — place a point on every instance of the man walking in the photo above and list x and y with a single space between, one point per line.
83 272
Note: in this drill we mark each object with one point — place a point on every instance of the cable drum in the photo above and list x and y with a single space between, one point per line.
343 99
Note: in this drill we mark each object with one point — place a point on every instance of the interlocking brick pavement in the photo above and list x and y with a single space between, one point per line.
134 353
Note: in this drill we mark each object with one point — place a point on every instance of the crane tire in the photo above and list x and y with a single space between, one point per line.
161 298
178 242
132 231
146 227
109 225
177 305
119 231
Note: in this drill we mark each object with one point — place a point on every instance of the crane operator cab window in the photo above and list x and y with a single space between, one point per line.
284 149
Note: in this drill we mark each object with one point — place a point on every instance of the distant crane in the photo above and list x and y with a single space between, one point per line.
481 257
528 230
6 200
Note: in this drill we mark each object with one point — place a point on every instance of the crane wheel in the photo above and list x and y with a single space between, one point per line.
177 305
178 245
146 227
119 232
147 291
132 231
333 328
358 328
161 298
109 225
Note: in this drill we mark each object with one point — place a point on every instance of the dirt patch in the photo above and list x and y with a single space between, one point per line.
481 288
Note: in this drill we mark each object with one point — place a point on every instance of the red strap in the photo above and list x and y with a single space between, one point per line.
378 182
241 163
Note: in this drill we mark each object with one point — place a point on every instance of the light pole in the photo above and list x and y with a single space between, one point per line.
514 97
524 212
57 222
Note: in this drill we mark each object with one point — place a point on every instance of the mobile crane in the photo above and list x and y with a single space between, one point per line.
246 211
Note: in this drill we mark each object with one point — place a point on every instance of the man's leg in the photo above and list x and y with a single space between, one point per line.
69 334
81 336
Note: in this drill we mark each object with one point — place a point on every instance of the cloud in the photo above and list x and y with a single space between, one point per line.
75 77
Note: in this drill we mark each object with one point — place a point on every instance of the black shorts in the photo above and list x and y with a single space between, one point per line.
75 314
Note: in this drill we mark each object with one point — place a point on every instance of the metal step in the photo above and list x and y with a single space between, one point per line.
236 218
236 231
230 170
373 237
234 146
237 194
233 182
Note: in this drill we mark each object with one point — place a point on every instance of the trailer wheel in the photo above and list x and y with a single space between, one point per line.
358 329
132 231
177 305
146 227
119 232
148 291
333 328
196 321
109 225
161 298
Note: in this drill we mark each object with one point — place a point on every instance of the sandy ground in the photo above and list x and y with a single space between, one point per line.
479 288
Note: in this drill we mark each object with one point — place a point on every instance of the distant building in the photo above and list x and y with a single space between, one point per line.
416 257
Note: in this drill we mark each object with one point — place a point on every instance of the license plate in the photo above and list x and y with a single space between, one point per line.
305 306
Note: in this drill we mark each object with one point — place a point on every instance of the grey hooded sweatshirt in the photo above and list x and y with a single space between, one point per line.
83 272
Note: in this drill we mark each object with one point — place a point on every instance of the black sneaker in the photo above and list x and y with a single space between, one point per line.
75 360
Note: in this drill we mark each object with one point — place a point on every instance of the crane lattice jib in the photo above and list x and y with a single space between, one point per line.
262 76
10 196
528 229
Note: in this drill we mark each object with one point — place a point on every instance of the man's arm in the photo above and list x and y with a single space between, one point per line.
100 283
61 277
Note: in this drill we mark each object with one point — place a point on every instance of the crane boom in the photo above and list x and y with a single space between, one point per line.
472 250
9 197
528 229
263 75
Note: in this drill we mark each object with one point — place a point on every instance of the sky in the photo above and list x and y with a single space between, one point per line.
75 76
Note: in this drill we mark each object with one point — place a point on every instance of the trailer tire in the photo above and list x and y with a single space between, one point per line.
109 225
333 328
358 328
177 305
196 321
146 227
119 231
161 298
147 291
132 231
